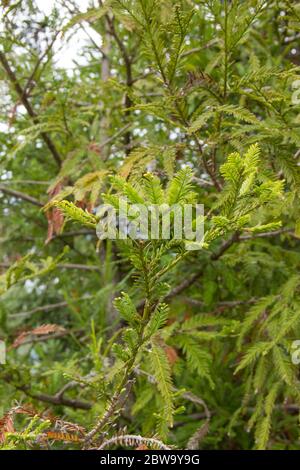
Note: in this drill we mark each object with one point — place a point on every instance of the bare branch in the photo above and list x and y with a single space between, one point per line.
221 305
267 234
195 50
58 400
33 182
47 308
28 85
19 195
82 267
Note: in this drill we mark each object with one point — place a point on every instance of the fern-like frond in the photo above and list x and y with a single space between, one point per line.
162 373
198 359
179 190
263 427
153 189
134 194
158 319
127 309
252 354
73 212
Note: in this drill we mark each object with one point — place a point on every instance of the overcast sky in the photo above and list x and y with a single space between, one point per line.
65 56
67 50
47 5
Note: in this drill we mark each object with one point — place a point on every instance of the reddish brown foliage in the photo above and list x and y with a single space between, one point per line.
39 331
54 215
6 425
171 354
61 436
7 421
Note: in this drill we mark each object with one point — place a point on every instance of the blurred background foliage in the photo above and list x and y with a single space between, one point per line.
129 86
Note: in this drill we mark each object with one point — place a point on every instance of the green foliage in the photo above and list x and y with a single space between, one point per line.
180 187
198 360
162 373
25 270
167 102
127 309
75 213
158 319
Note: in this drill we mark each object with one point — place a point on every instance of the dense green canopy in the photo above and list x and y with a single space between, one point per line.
158 101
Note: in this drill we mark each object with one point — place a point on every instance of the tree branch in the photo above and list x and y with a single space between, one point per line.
72 403
223 304
82 267
47 308
214 257
289 231
28 85
128 67
24 100
19 195
57 399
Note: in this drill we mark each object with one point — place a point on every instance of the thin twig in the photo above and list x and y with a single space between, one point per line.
28 85
117 402
195 50
221 305
58 400
19 195
23 98
81 267
47 308
267 234
33 182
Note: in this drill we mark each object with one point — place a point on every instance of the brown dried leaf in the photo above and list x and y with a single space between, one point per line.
55 223
171 355
39 331
61 436
54 214
6 425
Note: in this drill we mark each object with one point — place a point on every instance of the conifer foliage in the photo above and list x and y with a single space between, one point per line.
128 342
